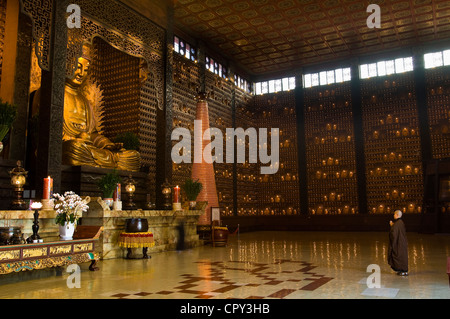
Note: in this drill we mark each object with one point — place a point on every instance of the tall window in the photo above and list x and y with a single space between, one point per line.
383 68
437 59
327 77
185 49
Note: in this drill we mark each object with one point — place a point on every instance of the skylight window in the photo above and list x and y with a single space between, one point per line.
216 68
242 83
185 49
437 59
327 77
274 86
383 68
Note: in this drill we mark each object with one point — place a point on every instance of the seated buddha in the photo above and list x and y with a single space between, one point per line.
83 145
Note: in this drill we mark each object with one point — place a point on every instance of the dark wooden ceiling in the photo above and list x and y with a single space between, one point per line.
269 36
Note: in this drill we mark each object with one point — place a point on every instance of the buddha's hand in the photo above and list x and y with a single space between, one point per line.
84 138
114 146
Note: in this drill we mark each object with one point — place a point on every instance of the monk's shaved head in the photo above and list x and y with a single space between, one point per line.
398 214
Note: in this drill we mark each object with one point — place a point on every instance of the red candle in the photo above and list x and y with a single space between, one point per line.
48 188
176 195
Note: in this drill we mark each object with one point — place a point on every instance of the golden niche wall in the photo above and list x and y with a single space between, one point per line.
118 76
438 87
248 188
330 150
392 144
221 117
130 100
277 194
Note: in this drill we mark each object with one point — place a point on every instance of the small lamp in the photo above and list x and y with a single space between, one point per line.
35 237
130 188
18 180
167 195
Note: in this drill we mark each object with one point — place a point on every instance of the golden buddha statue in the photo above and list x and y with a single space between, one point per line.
83 145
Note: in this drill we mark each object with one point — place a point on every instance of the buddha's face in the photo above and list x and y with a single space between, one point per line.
81 73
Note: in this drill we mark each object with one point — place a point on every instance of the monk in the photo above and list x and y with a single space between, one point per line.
398 245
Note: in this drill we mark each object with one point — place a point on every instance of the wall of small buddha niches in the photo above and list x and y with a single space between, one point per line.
392 144
186 81
330 150
276 194
247 184
438 100
220 105
118 76
130 100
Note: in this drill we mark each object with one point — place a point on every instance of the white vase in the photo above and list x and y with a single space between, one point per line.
66 232
109 202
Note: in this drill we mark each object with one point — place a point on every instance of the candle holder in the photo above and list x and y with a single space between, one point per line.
35 238
167 195
130 188
18 180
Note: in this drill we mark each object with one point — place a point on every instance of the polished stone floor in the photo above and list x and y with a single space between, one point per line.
260 265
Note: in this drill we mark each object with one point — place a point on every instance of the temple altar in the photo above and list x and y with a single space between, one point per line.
164 225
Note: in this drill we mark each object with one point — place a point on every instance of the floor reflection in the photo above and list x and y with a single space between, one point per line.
261 265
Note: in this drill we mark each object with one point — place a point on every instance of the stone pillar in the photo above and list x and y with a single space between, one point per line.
51 113
358 127
164 118
21 89
420 82
301 144
204 171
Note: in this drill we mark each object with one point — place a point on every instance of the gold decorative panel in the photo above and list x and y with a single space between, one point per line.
83 247
10 255
34 252
56 250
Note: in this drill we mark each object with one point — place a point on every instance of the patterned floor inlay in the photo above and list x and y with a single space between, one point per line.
243 280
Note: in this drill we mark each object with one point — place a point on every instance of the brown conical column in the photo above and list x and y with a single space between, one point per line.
202 170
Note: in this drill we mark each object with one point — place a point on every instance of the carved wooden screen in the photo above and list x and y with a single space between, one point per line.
2 33
186 81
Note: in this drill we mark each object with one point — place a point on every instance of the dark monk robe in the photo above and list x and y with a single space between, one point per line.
398 246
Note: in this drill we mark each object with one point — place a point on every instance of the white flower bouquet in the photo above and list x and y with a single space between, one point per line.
69 208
